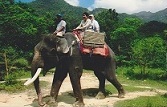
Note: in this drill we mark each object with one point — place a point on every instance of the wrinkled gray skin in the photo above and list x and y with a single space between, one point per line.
49 54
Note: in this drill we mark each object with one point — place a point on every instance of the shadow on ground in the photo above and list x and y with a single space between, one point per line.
68 97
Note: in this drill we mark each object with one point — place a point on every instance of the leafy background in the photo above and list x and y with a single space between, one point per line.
138 39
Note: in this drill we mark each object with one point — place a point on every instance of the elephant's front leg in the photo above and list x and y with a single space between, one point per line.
59 76
38 91
75 75
37 63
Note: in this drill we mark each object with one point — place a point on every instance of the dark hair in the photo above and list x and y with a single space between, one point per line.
86 13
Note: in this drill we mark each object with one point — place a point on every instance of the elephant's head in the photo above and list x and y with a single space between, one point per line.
46 54
45 57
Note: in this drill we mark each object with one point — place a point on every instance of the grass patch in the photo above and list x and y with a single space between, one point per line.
18 86
135 73
146 83
125 79
145 101
111 89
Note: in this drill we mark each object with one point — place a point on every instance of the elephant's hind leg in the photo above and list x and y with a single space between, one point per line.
118 86
111 77
101 94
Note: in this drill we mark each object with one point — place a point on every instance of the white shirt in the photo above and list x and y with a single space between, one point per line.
95 26
61 24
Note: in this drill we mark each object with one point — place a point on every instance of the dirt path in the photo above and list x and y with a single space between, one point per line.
65 99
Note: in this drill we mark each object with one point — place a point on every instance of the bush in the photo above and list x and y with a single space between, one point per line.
150 52
134 73
21 62
22 73
10 79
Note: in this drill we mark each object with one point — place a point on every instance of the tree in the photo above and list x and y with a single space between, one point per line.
123 36
107 21
149 52
20 25
152 28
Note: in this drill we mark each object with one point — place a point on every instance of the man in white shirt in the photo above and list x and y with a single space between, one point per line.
94 24
61 26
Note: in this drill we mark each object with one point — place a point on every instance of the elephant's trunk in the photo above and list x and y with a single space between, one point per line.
30 81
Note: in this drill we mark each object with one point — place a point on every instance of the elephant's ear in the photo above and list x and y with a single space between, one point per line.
62 45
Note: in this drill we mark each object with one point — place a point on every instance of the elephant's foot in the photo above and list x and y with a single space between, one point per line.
100 95
121 94
78 104
41 104
52 103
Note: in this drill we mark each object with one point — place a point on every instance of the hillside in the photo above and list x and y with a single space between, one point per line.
160 16
54 7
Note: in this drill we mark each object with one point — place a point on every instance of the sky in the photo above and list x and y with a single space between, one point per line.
121 6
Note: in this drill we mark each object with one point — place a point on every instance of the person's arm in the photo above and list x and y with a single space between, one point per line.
78 26
88 23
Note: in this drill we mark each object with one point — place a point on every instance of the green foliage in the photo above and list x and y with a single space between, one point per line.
22 73
20 25
145 101
11 53
134 23
13 87
12 84
15 59
107 20
21 62
71 14
134 73
123 36
152 28
10 79
149 52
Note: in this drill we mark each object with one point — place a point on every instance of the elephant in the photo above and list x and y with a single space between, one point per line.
63 52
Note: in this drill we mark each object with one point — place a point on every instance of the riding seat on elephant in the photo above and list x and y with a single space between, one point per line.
63 52
92 43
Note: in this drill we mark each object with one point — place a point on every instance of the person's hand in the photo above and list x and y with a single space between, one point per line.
55 33
75 29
